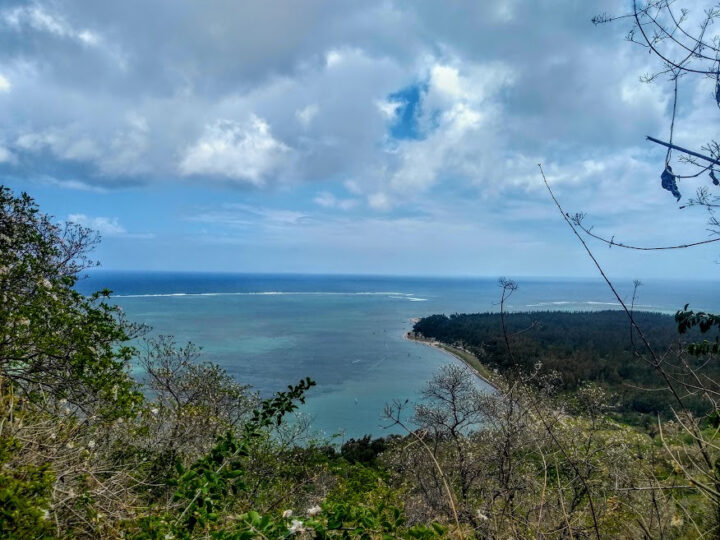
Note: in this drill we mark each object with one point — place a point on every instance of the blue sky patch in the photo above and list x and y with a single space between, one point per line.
406 124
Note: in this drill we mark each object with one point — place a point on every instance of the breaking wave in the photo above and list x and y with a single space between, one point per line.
389 294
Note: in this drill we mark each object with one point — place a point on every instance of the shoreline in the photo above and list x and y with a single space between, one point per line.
466 357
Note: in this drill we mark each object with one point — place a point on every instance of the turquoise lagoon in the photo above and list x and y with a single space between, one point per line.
346 332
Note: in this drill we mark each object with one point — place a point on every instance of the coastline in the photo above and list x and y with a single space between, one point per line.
466 357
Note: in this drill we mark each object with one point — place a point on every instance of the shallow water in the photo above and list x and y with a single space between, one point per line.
346 332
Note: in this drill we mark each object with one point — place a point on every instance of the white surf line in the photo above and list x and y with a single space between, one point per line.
391 294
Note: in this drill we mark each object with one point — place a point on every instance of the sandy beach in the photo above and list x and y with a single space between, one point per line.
465 357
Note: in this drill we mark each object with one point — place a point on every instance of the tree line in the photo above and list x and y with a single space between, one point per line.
579 347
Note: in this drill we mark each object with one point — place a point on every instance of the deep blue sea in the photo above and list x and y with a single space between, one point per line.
346 332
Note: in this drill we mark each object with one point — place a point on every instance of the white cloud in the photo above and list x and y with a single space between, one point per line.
107 226
388 108
64 143
118 153
494 100
39 19
458 122
306 114
353 187
491 105
240 216
457 126
103 225
458 81
325 199
72 184
88 37
635 94
127 148
504 10
246 152
328 200
333 58
6 156
446 81
379 201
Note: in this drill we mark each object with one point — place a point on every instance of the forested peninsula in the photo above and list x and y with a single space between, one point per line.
576 347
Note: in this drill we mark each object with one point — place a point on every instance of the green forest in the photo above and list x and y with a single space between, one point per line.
580 347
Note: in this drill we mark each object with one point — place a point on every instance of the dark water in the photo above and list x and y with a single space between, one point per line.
346 332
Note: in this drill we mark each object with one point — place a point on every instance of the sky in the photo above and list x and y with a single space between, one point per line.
374 137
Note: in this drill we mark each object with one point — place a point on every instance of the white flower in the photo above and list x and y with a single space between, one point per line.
70 445
296 526
482 516
287 513
45 514
63 401
91 444
315 510
154 411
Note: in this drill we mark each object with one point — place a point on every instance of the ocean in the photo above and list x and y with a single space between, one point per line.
347 332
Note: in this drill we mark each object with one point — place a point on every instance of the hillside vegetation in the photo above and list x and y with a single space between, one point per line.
186 451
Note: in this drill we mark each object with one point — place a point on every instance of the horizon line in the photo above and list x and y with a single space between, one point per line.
384 275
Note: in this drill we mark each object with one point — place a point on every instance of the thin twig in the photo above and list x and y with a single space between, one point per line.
612 242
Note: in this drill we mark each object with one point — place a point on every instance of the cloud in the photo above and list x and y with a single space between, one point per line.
103 225
126 150
306 114
379 201
268 95
389 108
65 143
328 200
245 152
116 153
243 216
345 124
456 127
323 77
72 184
6 156
106 226
39 19
333 58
